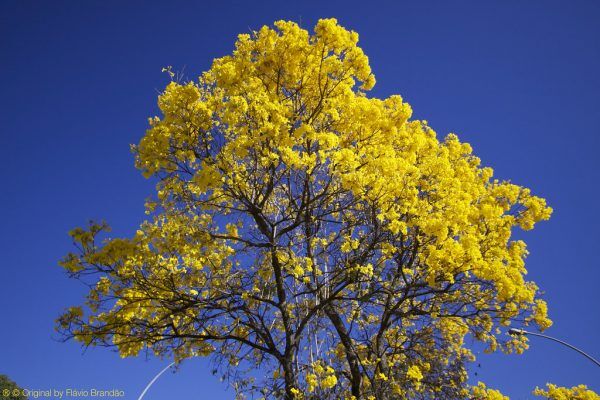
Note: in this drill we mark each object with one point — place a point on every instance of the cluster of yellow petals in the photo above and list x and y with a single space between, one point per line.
580 392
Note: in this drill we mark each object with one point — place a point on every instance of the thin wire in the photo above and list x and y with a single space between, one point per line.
154 379
566 344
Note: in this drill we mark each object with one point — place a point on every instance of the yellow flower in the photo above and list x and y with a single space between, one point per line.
414 373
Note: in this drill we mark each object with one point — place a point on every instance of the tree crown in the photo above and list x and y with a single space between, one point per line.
305 228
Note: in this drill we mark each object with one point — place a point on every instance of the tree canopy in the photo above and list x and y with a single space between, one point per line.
9 390
306 230
553 392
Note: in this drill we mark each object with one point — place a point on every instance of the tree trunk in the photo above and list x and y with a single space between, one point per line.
351 356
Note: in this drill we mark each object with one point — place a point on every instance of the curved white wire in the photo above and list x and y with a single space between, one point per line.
154 379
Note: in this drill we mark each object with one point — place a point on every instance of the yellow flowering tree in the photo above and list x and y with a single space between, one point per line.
554 392
303 228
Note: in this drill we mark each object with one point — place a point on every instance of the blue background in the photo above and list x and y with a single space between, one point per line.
518 80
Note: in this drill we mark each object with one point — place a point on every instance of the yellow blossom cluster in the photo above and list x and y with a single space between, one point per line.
554 392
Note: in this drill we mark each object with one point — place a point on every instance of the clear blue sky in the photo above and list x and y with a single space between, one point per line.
518 80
